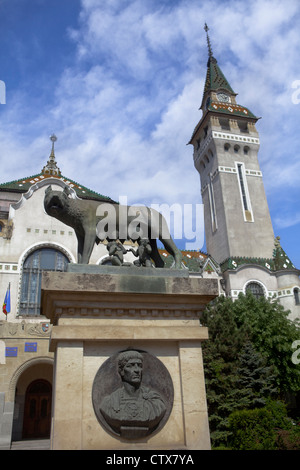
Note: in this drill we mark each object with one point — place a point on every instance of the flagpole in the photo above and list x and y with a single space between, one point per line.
9 300
9 292
7 303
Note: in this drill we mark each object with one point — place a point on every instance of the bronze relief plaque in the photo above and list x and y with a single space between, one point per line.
132 394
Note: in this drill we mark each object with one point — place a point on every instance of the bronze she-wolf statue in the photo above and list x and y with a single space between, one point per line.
96 221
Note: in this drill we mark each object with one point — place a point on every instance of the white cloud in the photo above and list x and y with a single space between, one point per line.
286 221
125 109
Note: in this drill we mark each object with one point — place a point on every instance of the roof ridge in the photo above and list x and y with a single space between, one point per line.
25 183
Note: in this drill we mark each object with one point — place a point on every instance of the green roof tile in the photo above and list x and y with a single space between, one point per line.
215 79
280 261
231 109
22 185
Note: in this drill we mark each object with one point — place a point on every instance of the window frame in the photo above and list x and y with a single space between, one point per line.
244 192
261 288
31 275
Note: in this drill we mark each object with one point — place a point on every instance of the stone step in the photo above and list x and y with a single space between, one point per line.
37 444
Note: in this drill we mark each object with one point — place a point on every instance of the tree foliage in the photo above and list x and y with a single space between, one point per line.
252 430
247 359
255 381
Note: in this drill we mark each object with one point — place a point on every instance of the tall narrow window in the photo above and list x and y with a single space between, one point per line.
248 217
242 185
212 204
296 296
43 259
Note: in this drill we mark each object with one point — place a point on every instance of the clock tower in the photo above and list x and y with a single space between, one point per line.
226 144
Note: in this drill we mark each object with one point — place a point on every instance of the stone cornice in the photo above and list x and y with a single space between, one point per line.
124 296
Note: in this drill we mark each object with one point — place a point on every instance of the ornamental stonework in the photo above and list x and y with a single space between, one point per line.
132 394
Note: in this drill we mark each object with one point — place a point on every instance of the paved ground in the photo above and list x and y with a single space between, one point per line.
39 444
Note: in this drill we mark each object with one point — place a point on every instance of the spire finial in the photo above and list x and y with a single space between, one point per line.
53 139
210 53
51 168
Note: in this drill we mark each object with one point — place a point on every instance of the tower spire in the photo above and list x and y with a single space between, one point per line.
210 53
51 168
215 80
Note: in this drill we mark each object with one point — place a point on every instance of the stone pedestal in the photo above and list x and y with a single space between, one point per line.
95 315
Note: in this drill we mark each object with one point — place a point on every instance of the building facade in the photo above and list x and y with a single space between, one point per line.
238 228
242 251
30 242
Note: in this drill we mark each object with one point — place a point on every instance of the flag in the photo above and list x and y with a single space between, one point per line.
6 303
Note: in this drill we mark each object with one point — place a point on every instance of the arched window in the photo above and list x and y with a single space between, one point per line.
256 289
296 296
42 259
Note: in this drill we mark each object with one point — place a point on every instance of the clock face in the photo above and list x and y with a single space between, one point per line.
223 97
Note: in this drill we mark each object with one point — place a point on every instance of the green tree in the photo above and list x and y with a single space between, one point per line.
255 380
252 430
220 354
231 326
272 334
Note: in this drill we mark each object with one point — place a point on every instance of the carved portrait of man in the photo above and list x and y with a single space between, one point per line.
134 409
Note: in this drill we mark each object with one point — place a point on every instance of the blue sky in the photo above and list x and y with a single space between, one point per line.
120 83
